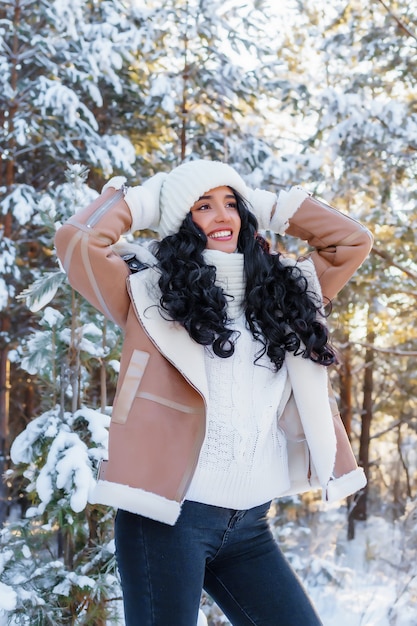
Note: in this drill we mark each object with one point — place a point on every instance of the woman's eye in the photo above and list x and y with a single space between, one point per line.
203 207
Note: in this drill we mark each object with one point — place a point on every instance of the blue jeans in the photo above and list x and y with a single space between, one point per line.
231 554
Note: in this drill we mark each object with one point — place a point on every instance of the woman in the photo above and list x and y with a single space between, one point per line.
222 401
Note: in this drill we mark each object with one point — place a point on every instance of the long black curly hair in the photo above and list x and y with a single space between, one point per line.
280 311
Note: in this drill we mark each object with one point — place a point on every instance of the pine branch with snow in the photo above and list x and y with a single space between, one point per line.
58 562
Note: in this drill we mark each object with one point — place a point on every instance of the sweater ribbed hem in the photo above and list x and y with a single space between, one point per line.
238 501
236 490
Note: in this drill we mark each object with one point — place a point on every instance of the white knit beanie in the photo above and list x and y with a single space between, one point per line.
185 184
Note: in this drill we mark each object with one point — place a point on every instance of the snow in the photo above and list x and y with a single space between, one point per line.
121 151
92 346
112 150
201 621
64 588
21 450
37 303
8 267
69 464
115 365
68 457
52 317
21 130
7 258
63 102
20 202
98 425
364 582
4 294
8 598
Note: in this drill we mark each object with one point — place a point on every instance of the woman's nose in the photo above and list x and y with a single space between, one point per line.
221 214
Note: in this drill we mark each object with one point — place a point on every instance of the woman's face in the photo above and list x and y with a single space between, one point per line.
217 215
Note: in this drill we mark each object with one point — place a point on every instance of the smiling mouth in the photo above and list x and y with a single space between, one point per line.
221 234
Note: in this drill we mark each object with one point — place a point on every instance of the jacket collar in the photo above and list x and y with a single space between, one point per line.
170 338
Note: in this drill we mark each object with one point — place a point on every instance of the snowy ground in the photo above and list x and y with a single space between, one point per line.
370 581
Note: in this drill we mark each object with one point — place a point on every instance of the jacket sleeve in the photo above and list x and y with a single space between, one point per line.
84 246
341 243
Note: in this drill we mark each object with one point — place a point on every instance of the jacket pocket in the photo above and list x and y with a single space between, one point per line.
129 387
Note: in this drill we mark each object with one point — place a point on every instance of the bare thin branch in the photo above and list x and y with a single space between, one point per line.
401 25
387 257
393 351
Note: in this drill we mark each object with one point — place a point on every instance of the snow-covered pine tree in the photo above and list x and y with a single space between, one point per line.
58 564
60 64
213 78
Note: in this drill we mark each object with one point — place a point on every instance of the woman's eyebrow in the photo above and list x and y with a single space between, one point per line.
227 195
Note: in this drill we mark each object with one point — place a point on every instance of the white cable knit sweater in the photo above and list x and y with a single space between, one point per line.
243 459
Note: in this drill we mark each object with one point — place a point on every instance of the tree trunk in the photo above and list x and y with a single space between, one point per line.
4 425
360 510
5 322
404 465
346 411
345 378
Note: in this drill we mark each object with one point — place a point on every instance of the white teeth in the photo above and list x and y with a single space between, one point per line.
221 233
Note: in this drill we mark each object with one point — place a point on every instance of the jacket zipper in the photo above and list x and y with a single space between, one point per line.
95 217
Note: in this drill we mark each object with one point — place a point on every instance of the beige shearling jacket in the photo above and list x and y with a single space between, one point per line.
158 419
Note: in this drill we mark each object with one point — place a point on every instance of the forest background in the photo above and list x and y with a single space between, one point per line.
319 94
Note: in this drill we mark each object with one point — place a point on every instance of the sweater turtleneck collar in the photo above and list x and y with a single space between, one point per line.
230 277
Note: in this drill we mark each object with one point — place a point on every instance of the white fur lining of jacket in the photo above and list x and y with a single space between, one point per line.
309 386
135 500
346 485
